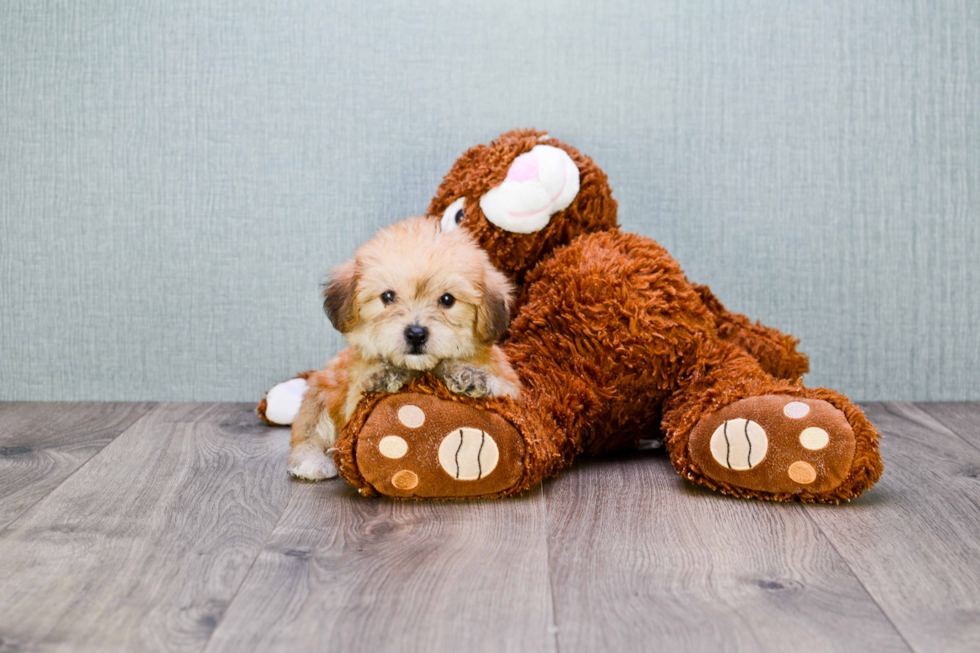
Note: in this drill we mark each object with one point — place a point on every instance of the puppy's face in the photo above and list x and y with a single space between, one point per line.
414 296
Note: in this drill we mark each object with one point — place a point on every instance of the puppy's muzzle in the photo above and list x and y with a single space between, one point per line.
416 337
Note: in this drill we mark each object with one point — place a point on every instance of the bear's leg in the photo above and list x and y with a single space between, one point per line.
734 428
599 342
425 442
775 351
611 341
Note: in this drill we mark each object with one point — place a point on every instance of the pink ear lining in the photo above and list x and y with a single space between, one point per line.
524 168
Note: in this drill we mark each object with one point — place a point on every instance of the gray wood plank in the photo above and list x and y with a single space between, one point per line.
961 418
914 539
641 560
345 573
42 444
144 547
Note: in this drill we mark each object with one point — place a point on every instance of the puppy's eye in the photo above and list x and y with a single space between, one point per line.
453 215
447 300
388 297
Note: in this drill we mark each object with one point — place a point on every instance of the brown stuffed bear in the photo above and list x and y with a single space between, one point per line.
613 345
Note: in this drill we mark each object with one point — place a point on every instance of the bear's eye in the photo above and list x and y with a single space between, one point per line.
453 215
388 297
447 300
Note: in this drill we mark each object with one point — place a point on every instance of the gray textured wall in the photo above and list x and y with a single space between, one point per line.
175 179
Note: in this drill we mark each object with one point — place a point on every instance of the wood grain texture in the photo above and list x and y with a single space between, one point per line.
640 560
144 547
180 534
350 574
961 418
42 444
914 539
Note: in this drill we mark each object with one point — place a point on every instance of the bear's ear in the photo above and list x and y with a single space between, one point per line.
539 184
493 315
338 296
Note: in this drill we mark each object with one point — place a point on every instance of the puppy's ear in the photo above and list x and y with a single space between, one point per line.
338 296
493 315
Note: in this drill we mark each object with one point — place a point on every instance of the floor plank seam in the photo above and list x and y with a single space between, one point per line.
888 618
11 522
949 427
553 628
251 566
641 561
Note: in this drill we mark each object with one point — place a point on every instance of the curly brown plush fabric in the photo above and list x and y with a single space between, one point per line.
614 344
483 167
775 351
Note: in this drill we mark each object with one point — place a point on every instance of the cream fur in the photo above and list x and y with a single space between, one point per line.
420 263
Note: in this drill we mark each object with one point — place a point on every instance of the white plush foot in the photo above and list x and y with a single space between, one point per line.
282 402
310 464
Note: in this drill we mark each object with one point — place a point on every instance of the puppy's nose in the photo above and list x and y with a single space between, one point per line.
416 335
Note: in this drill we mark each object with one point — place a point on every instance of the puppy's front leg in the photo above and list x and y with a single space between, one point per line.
466 380
385 378
313 433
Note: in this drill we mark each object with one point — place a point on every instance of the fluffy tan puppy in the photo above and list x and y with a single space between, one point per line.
414 299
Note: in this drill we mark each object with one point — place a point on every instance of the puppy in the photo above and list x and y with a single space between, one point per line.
414 299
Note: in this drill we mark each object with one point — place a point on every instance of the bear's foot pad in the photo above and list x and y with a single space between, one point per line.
418 445
775 443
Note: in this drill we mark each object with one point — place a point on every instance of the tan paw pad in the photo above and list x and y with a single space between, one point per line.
405 480
418 445
775 443
814 438
739 444
802 472
392 446
468 454
411 416
796 410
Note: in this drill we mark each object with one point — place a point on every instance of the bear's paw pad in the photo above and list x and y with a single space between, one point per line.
775 443
418 445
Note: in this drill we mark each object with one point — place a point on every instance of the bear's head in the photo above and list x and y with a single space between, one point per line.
522 196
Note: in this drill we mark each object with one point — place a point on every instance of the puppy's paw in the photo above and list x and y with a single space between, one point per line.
470 381
310 464
388 379
506 389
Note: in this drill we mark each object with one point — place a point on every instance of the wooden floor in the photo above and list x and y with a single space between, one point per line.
174 527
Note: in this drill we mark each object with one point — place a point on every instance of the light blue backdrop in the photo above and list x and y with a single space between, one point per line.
176 177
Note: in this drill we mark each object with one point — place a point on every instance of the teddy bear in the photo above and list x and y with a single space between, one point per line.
613 345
